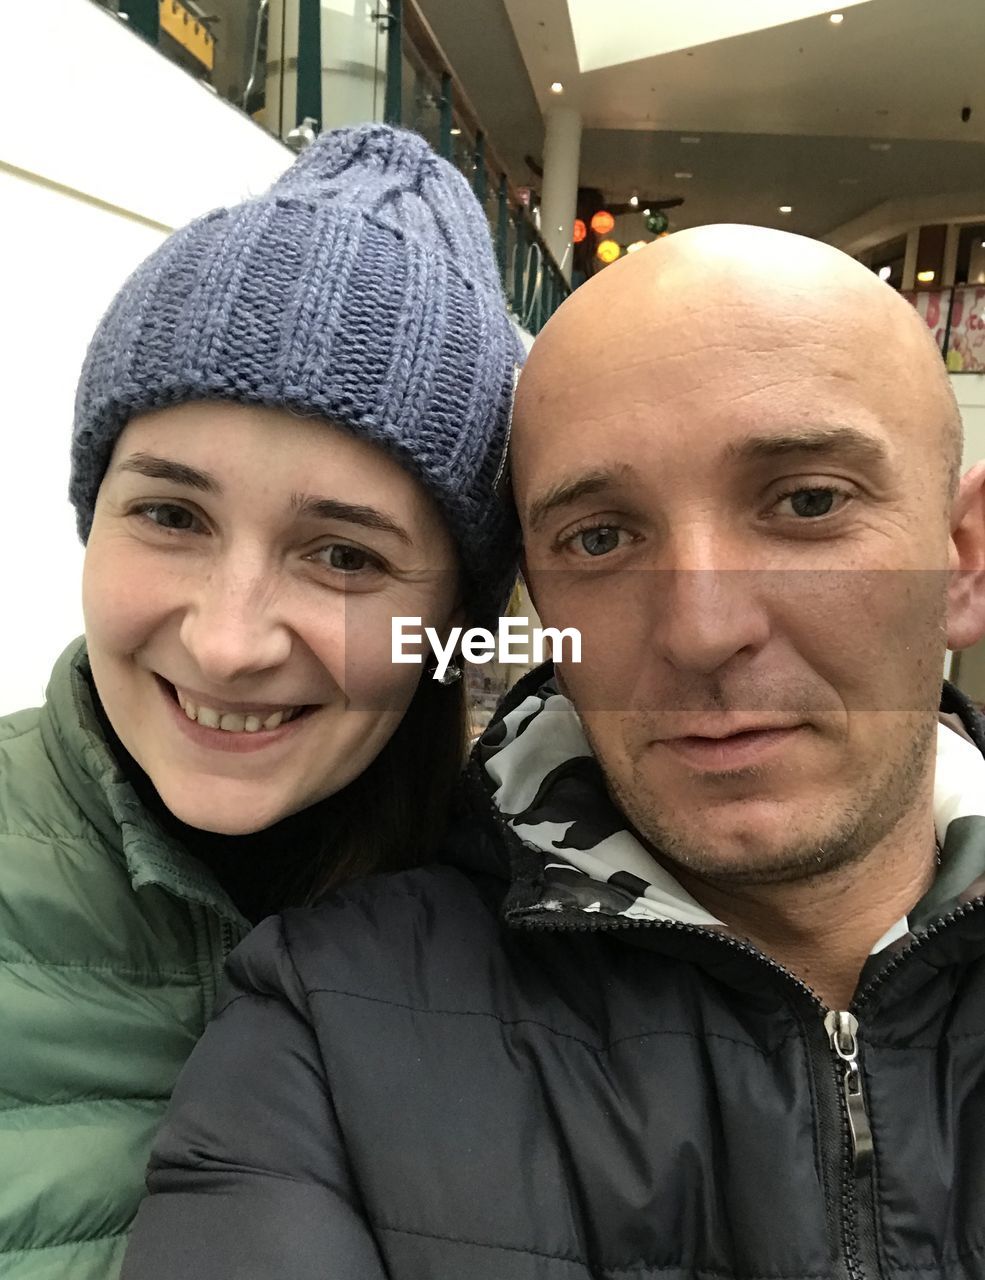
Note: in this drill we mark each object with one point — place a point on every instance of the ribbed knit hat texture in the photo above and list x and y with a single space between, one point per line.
361 288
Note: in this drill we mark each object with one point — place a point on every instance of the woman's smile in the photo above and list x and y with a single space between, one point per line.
225 727
230 592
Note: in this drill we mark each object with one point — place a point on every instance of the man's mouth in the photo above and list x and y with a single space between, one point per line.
718 751
723 728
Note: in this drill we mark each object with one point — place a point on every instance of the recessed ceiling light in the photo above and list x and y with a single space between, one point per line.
836 19
456 133
926 277
634 200
557 87
879 146
786 208
646 214
691 139
683 173
885 273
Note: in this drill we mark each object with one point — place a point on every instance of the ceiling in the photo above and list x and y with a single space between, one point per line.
626 31
786 114
741 177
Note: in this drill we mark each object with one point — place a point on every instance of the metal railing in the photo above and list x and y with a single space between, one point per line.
382 63
956 318
434 104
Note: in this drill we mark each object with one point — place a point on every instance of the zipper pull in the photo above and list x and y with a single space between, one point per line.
842 1029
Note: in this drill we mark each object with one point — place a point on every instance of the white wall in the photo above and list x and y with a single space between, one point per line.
104 146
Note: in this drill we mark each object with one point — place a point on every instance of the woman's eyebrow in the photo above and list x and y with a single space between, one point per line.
351 513
155 468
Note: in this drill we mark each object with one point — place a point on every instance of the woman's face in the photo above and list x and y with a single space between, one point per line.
240 578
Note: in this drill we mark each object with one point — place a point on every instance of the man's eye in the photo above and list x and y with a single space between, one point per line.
167 515
346 559
598 541
811 503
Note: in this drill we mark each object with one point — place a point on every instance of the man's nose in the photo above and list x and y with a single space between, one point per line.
706 615
234 627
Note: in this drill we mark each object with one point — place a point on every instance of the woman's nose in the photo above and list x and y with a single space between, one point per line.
234 627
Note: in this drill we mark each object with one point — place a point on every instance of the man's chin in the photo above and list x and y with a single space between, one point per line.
763 853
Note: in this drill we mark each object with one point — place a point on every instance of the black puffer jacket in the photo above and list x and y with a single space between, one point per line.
491 1070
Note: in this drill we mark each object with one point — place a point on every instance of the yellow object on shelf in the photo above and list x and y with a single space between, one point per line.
188 31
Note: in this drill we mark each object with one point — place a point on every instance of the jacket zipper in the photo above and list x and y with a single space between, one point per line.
847 1218
842 1030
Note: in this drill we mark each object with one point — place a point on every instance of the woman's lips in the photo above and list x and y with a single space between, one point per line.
233 743
734 751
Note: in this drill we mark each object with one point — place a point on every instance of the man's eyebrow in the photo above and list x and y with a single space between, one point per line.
350 513
820 441
566 492
155 468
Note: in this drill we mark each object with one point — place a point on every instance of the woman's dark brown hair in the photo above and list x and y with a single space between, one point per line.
395 813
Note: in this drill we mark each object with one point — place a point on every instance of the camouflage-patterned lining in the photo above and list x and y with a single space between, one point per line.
549 787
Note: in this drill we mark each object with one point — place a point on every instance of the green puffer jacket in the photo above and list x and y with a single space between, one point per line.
112 941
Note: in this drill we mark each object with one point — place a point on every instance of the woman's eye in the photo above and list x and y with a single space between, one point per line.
598 541
167 515
346 559
809 504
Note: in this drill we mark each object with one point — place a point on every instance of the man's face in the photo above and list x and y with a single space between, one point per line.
744 508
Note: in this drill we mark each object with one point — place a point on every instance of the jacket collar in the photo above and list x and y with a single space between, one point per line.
90 772
572 852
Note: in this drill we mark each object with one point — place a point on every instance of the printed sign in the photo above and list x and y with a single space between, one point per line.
966 336
966 343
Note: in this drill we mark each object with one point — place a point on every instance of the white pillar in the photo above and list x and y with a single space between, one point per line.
353 65
559 192
910 259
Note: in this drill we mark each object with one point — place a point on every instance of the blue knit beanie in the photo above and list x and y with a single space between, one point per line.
361 288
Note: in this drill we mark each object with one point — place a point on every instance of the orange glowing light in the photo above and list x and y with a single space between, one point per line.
580 231
603 222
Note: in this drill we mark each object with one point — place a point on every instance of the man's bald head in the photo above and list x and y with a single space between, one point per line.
733 456
714 281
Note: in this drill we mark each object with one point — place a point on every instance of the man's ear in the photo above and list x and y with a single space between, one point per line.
966 562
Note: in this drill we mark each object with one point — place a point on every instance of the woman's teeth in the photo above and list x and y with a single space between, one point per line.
235 721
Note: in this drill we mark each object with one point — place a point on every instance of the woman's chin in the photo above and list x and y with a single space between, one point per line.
227 810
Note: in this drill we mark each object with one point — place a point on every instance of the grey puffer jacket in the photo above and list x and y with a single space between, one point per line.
507 1067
